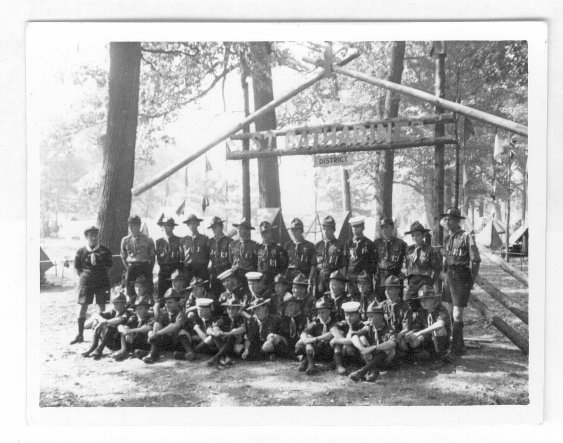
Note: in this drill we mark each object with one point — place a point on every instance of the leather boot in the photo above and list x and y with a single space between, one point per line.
222 351
458 345
153 354
100 348
185 342
340 369
80 337
377 359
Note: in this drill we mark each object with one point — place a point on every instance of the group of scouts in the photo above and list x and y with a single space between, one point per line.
371 304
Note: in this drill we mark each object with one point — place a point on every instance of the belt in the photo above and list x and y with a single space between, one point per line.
139 262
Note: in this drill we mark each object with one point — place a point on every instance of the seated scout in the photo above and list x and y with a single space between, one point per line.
233 287
398 313
364 283
201 322
169 331
377 346
142 288
256 286
197 289
337 285
105 327
281 287
431 327
135 333
300 290
343 332
293 322
315 339
179 283
263 337
228 333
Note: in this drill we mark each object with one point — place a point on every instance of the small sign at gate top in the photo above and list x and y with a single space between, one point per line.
323 161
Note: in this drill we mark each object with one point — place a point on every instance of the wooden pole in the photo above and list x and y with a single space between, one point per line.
502 298
246 209
226 134
457 165
475 114
508 205
346 200
516 273
500 324
439 131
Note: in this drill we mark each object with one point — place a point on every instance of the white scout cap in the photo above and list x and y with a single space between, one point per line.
360 219
250 276
351 306
203 302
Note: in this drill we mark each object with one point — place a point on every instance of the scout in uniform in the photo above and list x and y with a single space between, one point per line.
343 332
293 322
196 250
315 339
272 257
281 287
169 331
364 283
197 289
362 251
180 285
337 285
233 287
256 286
142 288
138 256
299 289
243 253
218 255
461 264
228 334
105 327
263 337
169 255
92 263
135 333
431 327
398 313
200 325
331 253
389 256
301 254
377 347
422 263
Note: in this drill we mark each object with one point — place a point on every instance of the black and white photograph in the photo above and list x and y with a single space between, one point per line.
316 221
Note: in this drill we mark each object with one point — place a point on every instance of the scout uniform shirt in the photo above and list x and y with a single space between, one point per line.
461 249
339 301
219 254
167 318
362 252
398 315
93 265
225 324
138 249
203 324
422 261
346 329
124 316
389 255
292 327
257 331
301 257
380 336
423 319
240 294
136 322
316 328
196 251
169 252
244 255
331 256
272 259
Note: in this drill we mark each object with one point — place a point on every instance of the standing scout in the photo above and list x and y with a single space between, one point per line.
362 251
138 256
301 255
218 255
331 253
92 263
263 337
422 263
315 339
272 257
135 333
461 264
243 253
389 255
196 250
169 255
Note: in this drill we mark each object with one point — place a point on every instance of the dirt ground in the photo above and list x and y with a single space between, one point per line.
494 372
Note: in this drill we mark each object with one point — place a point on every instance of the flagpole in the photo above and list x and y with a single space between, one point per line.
508 202
457 161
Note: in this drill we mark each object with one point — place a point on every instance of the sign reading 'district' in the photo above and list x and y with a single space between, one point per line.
322 161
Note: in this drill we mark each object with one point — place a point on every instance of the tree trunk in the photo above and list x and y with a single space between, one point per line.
428 183
440 91
346 199
119 146
391 110
268 173
244 71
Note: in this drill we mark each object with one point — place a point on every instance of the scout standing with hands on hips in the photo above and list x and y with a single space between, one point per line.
332 255
218 255
92 263
301 255
196 250
390 253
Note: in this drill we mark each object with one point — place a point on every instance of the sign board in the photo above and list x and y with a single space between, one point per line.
324 161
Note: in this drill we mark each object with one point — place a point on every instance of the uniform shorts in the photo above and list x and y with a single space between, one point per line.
86 295
458 286
323 351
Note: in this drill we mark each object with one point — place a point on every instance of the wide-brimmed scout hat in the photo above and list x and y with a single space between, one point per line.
392 282
142 302
167 221
91 229
280 278
296 223
358 220
300 280
256 303
244 223
417 227
197 281
232 301
171 294
253 276
384 221
192 218
453 212
324 303
203 302
375 307
351 306
119 297
426 291
226 274
337 275
141 280
216 221
291 297
134 220
329 221
266 226
363 276
178 275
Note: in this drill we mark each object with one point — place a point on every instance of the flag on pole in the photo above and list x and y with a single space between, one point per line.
500 146
207 165
204 203
180 209
468 129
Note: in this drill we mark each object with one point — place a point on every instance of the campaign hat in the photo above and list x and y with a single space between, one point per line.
266 226
296 223
178 275
329 221
171 293
232 301
134 220
337 275
280 278
119 297
259 302
351 306
358 220
197 281
453 212
167 221
363 276
384 221
244 223
426 291
192 218
392 282
291 297
417 227
375 307
141 302
216 221
141 280
300 280
91 229
324 303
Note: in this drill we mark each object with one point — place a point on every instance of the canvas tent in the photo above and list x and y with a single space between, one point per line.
491 235
519 240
